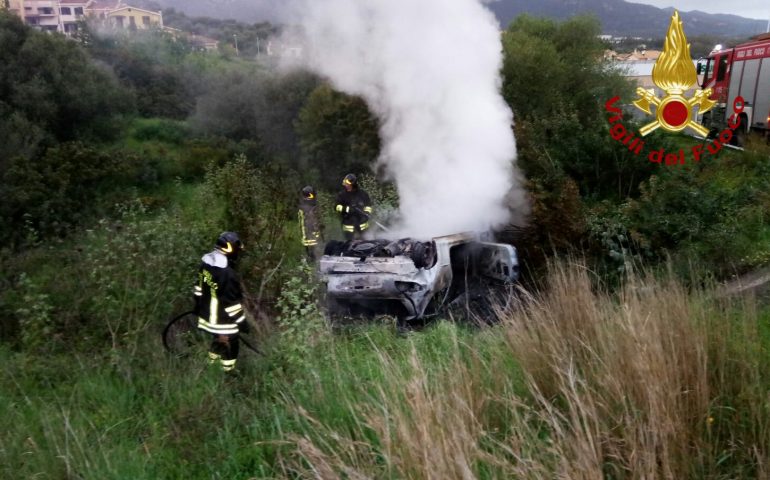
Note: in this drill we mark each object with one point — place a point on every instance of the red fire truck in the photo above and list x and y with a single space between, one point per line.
744 71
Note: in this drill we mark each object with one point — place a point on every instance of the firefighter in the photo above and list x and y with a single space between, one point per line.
218 300
354 207
309 224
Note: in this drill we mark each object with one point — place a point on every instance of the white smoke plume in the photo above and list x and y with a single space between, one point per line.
429 69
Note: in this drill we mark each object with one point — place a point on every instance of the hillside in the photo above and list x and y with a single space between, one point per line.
123 156
630 19
617 16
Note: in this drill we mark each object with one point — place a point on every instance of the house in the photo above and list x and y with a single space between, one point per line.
134 18
283 49
204 43
64 15
71 13
100 9
42 14
637 55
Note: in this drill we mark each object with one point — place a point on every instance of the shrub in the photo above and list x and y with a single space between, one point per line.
259 204
301 323
109 287
714 214
67 185
168 131
34 312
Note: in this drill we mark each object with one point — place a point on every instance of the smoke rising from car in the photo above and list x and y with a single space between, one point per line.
430 71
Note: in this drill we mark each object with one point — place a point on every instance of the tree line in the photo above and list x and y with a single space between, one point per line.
65 104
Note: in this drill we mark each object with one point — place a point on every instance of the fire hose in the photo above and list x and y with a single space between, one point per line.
369 217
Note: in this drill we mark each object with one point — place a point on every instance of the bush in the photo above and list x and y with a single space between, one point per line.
337 134
302 324
61 189
50 90
259 204
168 131
109 287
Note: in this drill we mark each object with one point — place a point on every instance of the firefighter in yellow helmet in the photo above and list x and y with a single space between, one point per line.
309 223
355 208
218 300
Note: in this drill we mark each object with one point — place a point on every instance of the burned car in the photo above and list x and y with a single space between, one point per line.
410 278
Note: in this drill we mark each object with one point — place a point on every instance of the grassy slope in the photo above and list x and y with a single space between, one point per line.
671 385
665 383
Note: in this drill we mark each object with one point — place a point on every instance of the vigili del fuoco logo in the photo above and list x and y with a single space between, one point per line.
674 73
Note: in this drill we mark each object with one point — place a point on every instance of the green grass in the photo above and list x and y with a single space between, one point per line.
147 416
87 392
385 406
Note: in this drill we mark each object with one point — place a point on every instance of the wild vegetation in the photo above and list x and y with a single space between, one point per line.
121 160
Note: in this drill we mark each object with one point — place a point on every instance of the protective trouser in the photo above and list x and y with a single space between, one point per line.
224 353
354 231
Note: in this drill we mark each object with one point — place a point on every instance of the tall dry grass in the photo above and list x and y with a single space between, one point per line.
652 382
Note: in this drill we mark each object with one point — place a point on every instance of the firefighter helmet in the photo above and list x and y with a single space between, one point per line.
349 180
308 192
229 243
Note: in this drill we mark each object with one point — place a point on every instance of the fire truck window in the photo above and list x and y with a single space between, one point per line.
722 70
708 72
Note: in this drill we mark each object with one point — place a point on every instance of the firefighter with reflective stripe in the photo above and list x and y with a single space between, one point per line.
310 226
218 300
354 206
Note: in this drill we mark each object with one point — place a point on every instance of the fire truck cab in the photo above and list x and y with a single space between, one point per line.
744 71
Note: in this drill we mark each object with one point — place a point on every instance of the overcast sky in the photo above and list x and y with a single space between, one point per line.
745 8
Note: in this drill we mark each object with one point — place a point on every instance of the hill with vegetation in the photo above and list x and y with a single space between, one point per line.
622 18
123 157
618 17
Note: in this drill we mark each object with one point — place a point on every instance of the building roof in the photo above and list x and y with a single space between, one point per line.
74 2
129 7
104 5
201 40
635 56
639 69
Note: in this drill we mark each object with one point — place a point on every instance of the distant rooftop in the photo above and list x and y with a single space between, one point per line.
105 4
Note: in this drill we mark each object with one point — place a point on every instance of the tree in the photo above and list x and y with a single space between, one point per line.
51 97
49 85
149 63
557 84
338 134
247 103
59 189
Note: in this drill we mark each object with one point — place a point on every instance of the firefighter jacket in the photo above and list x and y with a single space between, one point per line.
355 208
308 222
218 296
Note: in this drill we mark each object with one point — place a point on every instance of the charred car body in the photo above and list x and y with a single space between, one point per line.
410 278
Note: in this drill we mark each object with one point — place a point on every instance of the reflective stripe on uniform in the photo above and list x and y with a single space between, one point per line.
310 243
368 209
229 331
227 368
214 310
364 226
233 308
302 224
338 208
348 228
224 329
198 291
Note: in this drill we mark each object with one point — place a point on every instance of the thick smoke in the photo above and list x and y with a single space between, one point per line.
429 69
